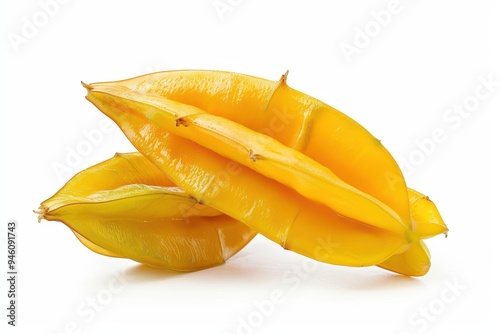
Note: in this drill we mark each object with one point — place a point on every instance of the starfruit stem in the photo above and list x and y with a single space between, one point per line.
86 86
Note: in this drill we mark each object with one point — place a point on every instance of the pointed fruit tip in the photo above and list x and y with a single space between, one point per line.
86 86
42 210
284 77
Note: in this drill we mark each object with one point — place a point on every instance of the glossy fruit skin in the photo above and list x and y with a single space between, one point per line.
425 216
127 207
427 222
309 126
270 208
297 120
258 152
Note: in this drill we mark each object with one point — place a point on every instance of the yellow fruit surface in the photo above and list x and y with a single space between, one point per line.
127 207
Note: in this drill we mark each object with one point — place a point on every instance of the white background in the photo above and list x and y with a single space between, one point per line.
400 85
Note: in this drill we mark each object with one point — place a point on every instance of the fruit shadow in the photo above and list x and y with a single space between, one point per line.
140 273
238 270
245 269
333 278
369 279
143 273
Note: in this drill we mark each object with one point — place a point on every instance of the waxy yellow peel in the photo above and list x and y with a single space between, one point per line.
259 152
152 222
92 246
265 205
295 119
242 155
428 220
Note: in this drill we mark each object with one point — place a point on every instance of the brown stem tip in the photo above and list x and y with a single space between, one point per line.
86 86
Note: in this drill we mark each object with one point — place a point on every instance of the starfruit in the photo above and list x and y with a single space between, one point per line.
192 123
295 119
127 207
